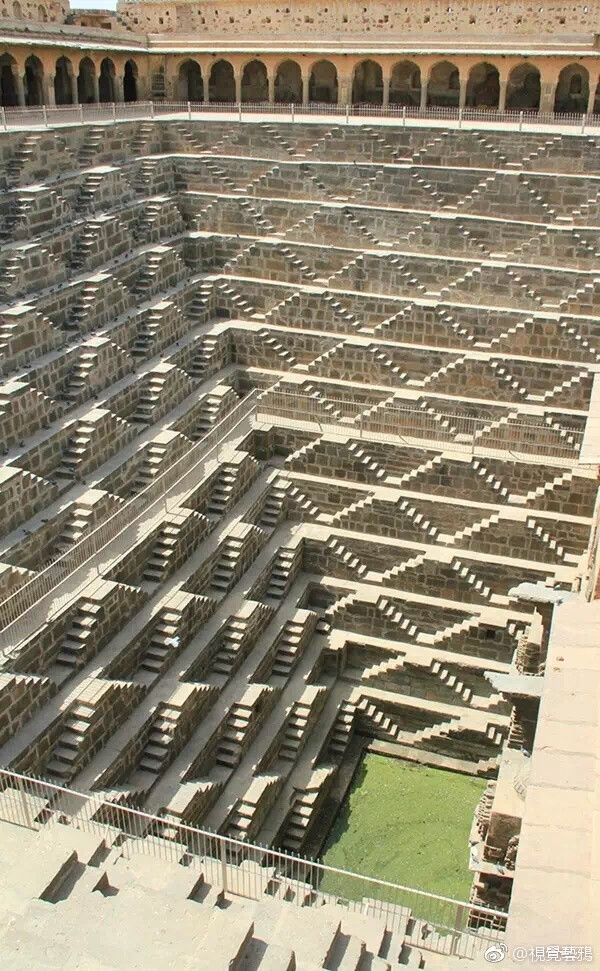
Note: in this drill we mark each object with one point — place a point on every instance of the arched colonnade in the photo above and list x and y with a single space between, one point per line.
519 85
70 80
522 85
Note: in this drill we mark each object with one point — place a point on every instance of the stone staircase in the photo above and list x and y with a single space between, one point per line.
242 723
306 803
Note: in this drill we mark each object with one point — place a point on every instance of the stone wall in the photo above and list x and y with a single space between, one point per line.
356 19
42 11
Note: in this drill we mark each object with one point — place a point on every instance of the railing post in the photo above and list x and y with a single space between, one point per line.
45 115
223 866
114 112
460 117
520 121
152 109
25 805
404 116
4 121
81 113
458 928
584 119
347 114
240 111
293 106
189 110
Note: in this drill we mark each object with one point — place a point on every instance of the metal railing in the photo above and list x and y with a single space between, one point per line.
505 436
50 115
439 924
28 607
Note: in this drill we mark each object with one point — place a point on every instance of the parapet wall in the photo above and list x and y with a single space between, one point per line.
382 17
54 11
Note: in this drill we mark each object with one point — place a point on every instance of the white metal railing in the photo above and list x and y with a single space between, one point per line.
50 115
28 607
439 924
506 436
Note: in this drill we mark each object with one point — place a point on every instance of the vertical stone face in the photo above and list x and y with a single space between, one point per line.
241 588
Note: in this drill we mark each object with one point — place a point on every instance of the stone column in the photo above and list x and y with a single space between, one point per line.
48 89
502 94
344 90
424 85
305 86
118 88
74 91
547 96
591 98
96 88
386 90
20 89
271 83
205 68
238 86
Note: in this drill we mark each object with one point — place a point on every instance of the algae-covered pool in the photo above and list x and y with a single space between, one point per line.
406 824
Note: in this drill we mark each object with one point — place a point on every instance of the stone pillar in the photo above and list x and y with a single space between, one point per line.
462 94
547 96
48 91
118 88
591 98
305 86
238 86
20 89
344 90
424 84
204 63
96 87
386 90
271 83
74 91
502 94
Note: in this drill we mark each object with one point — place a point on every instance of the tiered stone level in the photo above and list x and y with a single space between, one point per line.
419 310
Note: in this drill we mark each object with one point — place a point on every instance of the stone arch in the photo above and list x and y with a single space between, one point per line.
42 15
17 11
255 83
34 81
572 89
483 86
323 83
63 91
130 81
8 84
221 83
190 83
106 81
86 88
288 83
443 87
524 88
405 84
367 83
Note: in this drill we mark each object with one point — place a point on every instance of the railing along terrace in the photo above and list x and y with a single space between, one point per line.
107 112
428 921
28 607
511 437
